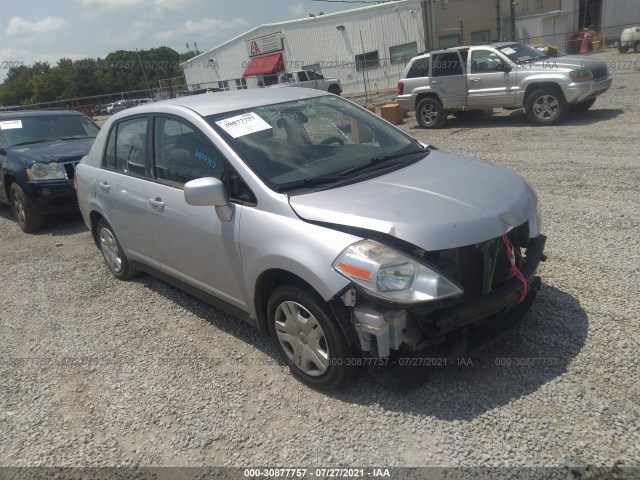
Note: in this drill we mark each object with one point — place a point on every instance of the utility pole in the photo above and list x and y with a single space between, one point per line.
512 6
364 67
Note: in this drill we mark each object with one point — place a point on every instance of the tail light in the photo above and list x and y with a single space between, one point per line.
400 88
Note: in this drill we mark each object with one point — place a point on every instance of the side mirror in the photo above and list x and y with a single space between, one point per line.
503 67
209 191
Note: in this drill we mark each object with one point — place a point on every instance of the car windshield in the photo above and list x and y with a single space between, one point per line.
520 53
46 128
317 140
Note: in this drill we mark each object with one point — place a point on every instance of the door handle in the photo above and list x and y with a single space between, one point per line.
104 186
157 203
474 79
436 81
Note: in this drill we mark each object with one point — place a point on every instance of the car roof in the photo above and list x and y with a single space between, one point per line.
36 113
221 102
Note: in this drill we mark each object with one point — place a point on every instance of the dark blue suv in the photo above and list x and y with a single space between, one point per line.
38 154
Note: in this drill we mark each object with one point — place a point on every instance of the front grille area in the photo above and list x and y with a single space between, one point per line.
599 73
482 267
70 169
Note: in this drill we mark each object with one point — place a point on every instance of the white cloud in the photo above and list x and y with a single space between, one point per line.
99 6
298 10
21 26
207 27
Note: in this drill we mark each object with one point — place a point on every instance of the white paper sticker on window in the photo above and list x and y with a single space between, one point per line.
9 124
244 124
507 50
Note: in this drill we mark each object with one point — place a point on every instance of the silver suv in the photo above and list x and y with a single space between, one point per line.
346 240
506 75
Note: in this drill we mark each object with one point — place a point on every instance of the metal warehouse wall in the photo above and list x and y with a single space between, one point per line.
319 41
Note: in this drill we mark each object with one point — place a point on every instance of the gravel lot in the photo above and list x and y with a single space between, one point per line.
97 372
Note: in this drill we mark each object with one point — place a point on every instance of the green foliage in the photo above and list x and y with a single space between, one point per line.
119 71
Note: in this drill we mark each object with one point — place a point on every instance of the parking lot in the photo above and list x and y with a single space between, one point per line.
98 372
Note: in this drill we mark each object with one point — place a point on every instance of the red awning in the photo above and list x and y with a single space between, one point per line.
265 65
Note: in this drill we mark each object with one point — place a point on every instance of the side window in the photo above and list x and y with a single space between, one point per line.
313 75
126 147
419 68
302 76
446 64
183 153
483 61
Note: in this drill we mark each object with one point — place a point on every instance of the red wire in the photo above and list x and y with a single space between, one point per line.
515 271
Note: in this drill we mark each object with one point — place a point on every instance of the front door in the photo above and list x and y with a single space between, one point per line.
191 243
491 82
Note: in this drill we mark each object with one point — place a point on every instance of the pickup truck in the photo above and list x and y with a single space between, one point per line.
503 75
310 79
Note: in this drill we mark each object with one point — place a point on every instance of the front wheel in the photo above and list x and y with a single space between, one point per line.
112 252
546 107
308 338
28 219
430 113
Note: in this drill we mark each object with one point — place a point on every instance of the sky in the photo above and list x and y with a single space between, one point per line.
45 30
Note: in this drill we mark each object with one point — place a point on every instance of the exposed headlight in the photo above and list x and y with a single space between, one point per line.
46 171
391 275
535 223
582 75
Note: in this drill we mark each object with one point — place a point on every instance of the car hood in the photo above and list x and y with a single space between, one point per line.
443 201
54 151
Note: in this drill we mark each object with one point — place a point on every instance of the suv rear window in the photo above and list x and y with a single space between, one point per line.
419 68
446 64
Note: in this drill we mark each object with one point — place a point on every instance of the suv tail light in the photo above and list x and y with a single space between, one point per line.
400 88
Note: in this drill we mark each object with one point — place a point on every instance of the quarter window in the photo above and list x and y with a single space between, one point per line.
183 153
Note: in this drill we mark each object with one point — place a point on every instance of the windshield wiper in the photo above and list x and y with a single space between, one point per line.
308 182
29 143
382 159
76 137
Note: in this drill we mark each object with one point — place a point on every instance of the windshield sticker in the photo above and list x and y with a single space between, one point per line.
524 58
9 124
243 124
507 50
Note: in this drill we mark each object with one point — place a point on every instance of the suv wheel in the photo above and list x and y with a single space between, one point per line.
582 107
308 337
545 107
430 113
28 219
112 252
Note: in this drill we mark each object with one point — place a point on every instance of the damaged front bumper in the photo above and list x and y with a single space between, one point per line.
449 328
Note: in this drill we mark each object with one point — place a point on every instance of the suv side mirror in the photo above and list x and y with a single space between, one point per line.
209 191
503 67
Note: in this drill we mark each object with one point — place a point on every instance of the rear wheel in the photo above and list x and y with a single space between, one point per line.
335 89
546 106
308 338
28 219
584 106
112 252
430 113
622 49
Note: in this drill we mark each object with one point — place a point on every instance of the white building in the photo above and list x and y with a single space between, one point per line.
369 44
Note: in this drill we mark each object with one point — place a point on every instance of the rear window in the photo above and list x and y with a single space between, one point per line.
419 68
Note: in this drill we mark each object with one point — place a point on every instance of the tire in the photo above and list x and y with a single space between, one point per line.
308 338
430 113
582 107
28 219
546 107
335 89
636 47
112 252
622 49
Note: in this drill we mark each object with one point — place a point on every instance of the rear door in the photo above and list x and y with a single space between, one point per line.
491 82
448 78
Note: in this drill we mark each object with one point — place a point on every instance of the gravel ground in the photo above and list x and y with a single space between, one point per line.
97 372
